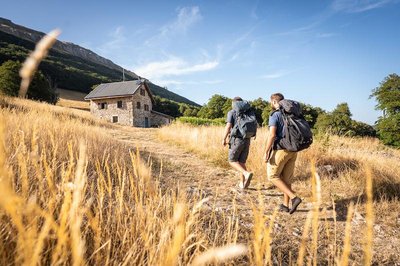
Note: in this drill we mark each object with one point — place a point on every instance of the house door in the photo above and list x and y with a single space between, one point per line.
146 122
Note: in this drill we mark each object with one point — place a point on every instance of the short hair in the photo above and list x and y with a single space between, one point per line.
237 99
277 96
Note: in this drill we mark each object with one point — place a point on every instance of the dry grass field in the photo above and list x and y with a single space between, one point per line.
75 190
72 99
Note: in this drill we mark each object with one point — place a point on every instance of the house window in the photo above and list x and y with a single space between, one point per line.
115 119
138 105
102 105
119 104
146 107
142 92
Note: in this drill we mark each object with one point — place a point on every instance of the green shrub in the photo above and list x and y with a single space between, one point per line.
201 121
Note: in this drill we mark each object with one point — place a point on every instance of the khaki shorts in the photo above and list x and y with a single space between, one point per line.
281 165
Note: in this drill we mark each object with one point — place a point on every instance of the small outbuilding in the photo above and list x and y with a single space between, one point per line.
127 103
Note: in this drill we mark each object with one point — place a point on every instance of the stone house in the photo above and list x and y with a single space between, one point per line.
127 103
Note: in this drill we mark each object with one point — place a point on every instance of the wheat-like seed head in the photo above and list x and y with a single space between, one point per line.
32 62
220 255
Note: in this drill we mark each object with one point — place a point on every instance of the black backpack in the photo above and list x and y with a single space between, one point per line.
246 122
297 133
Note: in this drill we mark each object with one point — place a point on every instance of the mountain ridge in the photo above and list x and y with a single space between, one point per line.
72 66
32 35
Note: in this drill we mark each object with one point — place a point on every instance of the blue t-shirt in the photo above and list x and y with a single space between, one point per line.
276 120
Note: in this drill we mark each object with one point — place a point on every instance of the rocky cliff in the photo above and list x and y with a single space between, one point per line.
34 36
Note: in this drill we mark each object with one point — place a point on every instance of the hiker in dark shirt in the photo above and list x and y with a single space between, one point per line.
280 162
238 148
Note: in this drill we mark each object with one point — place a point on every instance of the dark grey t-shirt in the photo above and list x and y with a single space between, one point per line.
231 117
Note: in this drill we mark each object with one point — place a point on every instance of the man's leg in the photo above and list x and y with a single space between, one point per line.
286 198
276 167
242 160
287 176
235 153
239 167
287 191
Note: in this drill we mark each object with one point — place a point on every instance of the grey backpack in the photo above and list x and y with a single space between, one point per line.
246 122
297 133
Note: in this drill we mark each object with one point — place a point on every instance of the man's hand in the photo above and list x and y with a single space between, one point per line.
267 154
224 142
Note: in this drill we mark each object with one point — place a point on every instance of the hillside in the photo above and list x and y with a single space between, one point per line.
72 99
71 66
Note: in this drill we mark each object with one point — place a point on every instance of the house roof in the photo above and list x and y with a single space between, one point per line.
117 89
162 114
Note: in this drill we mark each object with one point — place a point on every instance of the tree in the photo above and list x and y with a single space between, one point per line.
265 115
342 109
187 110
166 106
388 98
227 107
9 78
388 130
363 129
311 113
40 89
259 105
337 122
215 107
203 112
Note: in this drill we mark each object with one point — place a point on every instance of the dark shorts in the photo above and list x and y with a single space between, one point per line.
239 150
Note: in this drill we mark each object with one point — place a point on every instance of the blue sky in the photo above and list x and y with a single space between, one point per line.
318 52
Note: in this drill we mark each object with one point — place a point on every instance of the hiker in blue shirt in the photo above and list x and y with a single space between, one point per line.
280 161
239 146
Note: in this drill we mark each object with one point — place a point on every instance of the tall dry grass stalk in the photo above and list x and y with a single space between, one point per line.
347 237
71 194
220 255
369 209
304 239
316 185
32 62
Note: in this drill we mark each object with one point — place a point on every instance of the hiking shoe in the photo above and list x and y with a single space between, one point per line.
295 202
240 185
247 180
283 208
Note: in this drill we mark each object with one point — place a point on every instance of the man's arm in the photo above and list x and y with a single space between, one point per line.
228 128
270 142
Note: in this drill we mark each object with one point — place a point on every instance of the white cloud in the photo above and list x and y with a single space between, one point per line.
326 35
218 81
173 66
301 30
186 82
253 12
116 42
276 75
358 6
187 16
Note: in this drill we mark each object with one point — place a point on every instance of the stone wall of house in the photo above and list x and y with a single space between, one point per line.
140 114
159 120
130 114
124 114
